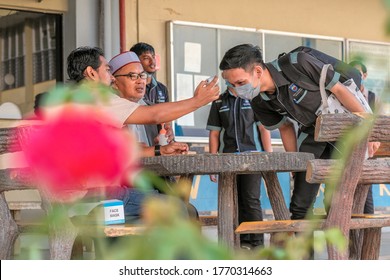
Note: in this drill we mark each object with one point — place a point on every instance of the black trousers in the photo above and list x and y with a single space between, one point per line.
304 193
369 205
249 207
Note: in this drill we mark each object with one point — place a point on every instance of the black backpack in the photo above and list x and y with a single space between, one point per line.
294 75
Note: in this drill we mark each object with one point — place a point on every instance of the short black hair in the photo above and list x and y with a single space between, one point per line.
242 56
355 63
39 102
141 48
80 58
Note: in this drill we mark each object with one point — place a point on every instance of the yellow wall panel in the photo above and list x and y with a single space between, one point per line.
353 19
36 5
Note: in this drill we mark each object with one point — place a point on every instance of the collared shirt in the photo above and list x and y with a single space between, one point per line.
289 100
156 92
234 117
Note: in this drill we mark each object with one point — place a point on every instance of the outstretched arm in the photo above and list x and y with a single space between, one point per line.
169 111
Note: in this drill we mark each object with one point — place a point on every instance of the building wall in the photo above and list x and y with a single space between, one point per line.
23 97
50 6
354 19
146 20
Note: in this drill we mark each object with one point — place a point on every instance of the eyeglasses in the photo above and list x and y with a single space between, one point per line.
134 76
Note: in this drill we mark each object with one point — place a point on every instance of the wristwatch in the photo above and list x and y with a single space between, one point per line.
157 151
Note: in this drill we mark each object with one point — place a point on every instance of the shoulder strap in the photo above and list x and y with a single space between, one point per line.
324 95
294 75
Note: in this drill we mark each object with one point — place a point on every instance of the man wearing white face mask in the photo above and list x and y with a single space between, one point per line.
246 91
274 99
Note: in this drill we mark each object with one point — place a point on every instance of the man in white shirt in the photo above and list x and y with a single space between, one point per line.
88 63
130 81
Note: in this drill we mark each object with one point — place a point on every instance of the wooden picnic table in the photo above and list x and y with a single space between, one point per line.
227 166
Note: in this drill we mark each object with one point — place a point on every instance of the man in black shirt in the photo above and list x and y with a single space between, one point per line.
233 118
275 99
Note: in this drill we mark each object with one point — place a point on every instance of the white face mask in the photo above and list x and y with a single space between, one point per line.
246 91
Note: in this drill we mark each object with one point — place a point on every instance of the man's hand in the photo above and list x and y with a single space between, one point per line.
174 148
169 134
372 148
214 178
207 92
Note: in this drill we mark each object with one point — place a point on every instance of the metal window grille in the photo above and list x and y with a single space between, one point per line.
13 56
44 49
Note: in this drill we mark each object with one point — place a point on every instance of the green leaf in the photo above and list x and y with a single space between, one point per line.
335 237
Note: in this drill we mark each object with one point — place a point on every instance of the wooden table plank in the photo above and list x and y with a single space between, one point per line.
302 225
330 127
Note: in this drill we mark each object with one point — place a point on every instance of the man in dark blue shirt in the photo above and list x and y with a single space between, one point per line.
155 92
233 117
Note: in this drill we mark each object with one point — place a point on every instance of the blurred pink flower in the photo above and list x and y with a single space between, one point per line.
76 149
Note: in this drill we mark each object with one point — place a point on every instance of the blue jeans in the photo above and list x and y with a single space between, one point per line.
131 197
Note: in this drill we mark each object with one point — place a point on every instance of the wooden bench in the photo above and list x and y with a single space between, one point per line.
358 221
61 237
16 208
130 229
350 192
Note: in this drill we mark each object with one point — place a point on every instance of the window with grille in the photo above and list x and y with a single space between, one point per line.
13 56
13 48
44 49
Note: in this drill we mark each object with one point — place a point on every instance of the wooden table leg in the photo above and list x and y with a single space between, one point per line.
62 232
277 201
371 243
227 210
275 195
356 235
17 216
340 211
8 230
